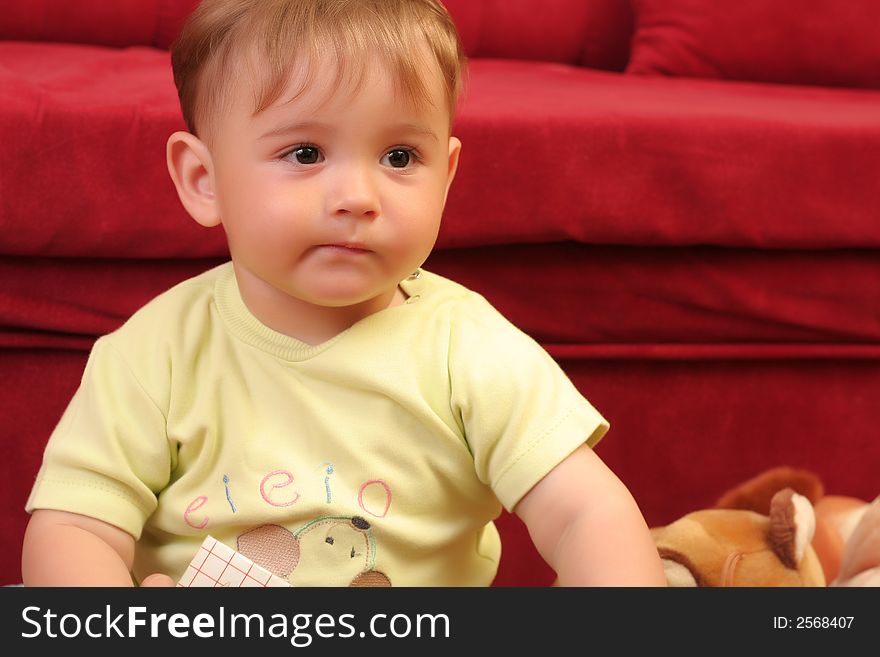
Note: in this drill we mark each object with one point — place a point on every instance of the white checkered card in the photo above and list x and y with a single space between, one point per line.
217 564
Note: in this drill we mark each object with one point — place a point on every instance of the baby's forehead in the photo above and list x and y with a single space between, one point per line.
311 81
245 51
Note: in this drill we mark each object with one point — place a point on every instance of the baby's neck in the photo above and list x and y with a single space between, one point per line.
304 321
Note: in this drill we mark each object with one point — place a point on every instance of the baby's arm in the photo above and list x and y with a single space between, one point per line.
586 525
68 549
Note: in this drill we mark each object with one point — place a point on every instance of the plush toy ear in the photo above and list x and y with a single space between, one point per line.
792 525
755 494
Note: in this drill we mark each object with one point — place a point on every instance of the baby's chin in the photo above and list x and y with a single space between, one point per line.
365 300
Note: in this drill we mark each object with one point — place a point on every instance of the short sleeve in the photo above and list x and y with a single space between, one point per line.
109 456
519 412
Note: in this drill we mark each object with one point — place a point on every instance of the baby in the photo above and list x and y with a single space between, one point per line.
321 403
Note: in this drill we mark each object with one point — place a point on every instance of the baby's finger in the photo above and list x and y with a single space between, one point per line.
157 579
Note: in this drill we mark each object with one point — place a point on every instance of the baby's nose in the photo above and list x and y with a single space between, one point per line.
355 194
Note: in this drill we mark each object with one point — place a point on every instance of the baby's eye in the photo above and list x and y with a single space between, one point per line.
399 158
305 155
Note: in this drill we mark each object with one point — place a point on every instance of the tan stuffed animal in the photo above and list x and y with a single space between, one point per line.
847 535
733 547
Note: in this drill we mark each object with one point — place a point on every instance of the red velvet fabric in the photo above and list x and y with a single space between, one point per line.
116 23
592 33
813 42
35 387
644 160
601 158
81 120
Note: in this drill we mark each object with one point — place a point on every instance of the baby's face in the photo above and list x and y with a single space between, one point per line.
334 197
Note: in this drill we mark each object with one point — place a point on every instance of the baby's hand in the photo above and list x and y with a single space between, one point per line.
156 580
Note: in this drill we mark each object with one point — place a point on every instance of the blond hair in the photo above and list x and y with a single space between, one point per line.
220 34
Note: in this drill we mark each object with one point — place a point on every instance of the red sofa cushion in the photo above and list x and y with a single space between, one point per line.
88 125
116 23
594 33
646 160
821 42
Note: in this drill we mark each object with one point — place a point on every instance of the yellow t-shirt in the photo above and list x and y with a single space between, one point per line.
378 457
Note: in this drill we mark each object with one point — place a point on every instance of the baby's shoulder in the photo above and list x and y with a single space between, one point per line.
444 294
471 323
467 309
182 312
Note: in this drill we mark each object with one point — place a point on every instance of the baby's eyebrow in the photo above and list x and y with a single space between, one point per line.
316 126
414 128
282 130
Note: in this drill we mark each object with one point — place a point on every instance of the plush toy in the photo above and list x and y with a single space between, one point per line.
737 547
847 534
860 563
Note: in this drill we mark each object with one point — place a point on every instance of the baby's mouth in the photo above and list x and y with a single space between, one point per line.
350 248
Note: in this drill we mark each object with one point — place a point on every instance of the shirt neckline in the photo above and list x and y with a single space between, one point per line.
247 328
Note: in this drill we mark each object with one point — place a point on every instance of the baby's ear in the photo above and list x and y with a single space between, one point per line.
190 165
454 152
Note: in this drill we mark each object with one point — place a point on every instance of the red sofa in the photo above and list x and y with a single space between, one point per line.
680 202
